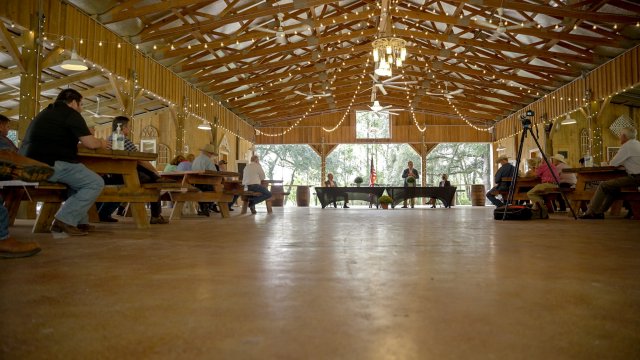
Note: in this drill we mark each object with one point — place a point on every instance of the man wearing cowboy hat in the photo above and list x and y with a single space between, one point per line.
506 170
204 161
567 180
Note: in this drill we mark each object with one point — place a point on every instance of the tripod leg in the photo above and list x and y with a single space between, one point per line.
557 181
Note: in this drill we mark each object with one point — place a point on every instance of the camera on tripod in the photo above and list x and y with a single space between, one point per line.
526 119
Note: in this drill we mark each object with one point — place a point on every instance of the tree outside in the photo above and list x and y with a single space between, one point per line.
465 163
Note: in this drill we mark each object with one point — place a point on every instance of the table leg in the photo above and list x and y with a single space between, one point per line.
139 215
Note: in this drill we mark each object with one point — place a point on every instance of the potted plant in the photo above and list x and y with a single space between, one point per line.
358 180
384 201
411 181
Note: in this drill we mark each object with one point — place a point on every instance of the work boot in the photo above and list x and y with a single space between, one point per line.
252 207
60 227
87 227
10 248
158 220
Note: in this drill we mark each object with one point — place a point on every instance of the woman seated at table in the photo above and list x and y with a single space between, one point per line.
173 165
532 164
331 183
443 183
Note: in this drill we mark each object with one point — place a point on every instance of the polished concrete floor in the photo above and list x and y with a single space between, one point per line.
307 283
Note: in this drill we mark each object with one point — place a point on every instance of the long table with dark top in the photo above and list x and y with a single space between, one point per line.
445 194
327 195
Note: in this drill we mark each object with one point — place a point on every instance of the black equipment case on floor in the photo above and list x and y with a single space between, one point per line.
512 212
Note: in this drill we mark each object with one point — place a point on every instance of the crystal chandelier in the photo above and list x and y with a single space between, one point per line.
388 52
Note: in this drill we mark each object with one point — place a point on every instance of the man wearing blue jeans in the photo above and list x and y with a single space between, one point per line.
10 247
252 178
52 137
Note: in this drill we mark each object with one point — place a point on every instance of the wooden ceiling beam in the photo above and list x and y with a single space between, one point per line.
119 14
557 11
66 80
209 25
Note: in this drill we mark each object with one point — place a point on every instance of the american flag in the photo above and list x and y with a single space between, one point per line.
372 175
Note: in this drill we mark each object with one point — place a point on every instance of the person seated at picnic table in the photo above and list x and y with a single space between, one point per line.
548 176
532 164
52 138
206 161
628 157
185 165
443 183
252 178
146 173
568 180
222 166
506 170
10 247
173 165
330 183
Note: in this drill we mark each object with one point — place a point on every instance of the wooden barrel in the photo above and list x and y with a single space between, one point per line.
302 195
477 195
277 193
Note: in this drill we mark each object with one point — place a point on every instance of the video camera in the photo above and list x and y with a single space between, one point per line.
526 119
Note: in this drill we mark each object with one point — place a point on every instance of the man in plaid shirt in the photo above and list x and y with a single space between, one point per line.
146 172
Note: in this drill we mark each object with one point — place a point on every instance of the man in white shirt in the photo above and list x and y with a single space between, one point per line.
628 157
252 178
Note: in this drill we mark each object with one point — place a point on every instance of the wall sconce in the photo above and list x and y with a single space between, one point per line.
73 64
500 147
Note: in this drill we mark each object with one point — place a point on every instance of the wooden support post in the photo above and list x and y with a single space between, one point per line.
30 79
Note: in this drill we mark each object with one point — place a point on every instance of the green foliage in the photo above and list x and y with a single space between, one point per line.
465 163
411 180
385 199
358 180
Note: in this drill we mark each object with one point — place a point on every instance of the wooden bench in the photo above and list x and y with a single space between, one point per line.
51 195
633 197
245 195
522 186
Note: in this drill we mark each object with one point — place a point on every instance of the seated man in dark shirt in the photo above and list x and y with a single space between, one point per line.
52 138
506 170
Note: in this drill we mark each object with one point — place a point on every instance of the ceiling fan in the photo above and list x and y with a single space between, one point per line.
390 83
279 31
446 93
96 115
310 95
383 110
501 27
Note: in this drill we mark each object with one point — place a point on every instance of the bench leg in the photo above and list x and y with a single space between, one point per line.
245 205
45 217
268 204
176 212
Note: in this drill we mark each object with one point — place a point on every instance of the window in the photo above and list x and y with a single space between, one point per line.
584 142
372 125
164 154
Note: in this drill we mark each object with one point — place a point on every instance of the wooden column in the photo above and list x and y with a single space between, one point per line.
179 116
30 77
